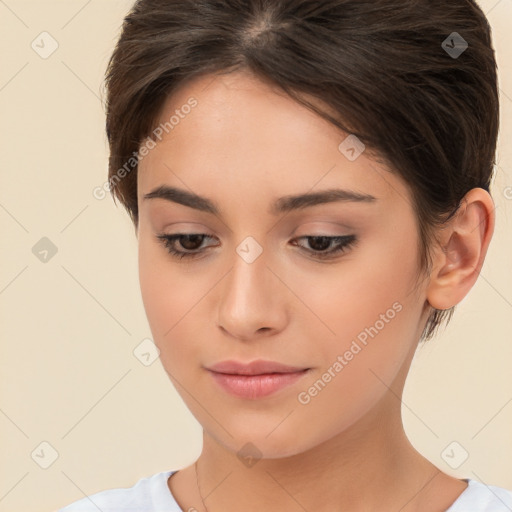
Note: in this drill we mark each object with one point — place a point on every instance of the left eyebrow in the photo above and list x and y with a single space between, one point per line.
281 205
289 203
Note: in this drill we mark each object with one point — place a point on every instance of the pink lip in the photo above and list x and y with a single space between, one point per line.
256 379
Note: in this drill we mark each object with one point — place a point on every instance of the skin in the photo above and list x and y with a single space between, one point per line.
244 145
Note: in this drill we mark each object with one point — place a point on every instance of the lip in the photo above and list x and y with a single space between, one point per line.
254 380
257 367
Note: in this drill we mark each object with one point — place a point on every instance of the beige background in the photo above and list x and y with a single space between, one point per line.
69 326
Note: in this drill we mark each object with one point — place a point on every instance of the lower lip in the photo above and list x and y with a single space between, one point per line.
256 386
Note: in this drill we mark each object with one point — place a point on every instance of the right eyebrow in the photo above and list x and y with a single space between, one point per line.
184 197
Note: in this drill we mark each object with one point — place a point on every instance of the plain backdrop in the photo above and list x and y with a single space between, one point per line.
79 411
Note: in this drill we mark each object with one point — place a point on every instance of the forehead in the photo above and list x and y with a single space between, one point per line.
244 134
248 110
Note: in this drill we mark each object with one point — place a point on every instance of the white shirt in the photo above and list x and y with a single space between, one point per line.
152 494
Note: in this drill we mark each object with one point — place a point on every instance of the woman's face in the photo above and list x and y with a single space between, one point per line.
257 286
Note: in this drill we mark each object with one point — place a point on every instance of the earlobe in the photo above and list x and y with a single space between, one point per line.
460 257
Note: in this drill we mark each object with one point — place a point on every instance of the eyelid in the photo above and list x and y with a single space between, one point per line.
319 226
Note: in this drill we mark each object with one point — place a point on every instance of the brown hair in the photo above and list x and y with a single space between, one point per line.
384 67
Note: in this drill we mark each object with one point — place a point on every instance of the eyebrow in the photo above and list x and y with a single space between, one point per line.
281 205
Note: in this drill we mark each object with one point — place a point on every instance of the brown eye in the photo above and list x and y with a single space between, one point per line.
318 245
188 241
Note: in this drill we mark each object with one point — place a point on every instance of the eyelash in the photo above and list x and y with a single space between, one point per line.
344 243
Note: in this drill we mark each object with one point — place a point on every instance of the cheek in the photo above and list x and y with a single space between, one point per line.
366 313
163 294
358 365
172 298
350 296
367 323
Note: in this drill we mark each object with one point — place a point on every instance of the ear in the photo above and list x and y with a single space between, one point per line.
460 257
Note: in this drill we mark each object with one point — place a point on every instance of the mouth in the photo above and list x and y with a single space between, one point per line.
255 380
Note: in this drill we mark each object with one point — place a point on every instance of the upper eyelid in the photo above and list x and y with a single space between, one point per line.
208 235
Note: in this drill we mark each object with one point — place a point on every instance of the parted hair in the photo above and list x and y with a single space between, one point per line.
387 71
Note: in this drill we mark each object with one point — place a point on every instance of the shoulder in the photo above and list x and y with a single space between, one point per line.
479 497
150 494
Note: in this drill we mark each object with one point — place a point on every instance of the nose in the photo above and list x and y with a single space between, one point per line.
252 300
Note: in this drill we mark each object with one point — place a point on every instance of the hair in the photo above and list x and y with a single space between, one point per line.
381 67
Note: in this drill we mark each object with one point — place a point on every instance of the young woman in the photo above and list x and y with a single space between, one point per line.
309 185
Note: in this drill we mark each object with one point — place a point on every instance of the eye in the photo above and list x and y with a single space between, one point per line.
192 242
319 245
189 241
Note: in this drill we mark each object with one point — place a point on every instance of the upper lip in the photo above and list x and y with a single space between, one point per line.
258 367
